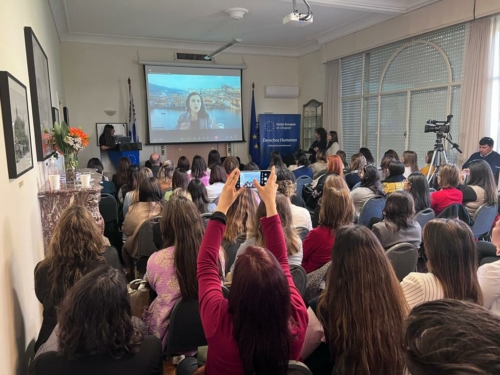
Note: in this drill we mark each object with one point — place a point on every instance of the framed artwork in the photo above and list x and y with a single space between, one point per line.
120 129
16 125
66 115
55 115
41 103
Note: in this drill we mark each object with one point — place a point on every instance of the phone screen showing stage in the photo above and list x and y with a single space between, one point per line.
247 177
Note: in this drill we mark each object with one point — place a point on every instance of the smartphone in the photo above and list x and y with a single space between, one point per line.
247 177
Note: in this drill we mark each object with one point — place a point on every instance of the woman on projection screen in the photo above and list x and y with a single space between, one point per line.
196 116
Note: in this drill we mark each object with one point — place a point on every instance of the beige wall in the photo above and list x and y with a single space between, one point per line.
20 230
95 77
312 78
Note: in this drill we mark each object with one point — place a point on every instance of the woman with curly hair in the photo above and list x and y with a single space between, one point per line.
76 248
96 334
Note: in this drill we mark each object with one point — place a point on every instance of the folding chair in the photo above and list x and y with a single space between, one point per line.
299 277
404 258
373 207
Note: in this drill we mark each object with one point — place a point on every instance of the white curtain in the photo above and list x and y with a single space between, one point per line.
332 105
494 117
476 88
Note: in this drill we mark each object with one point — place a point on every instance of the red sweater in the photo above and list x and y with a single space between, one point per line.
223 355
444 197
317 248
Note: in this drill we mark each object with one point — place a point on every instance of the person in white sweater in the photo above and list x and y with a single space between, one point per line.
452 262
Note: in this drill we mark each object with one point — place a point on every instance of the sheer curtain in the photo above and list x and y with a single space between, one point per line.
495 83
332 105
476 88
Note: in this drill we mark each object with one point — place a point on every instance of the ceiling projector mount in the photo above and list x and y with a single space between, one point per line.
235 14
299 19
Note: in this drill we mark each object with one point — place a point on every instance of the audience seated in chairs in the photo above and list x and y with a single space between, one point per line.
287 186
172 271
303 168
199 196
133 196
452 337
108 187
452 262
96 334
218 178
410 160
276 161
76 248
149 205
255 236
448 178
131 185
337 210
262 324
180 180
165 175
416 184
370 187
120 177
353 178
480 187
394 181
398 225
334 167
355 324
199 170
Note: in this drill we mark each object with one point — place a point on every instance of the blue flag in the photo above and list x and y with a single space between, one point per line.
254 150
132 130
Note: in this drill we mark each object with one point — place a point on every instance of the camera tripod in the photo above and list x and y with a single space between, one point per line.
439 158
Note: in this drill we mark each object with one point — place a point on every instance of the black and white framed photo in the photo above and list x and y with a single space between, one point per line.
41 102
16 125
55 115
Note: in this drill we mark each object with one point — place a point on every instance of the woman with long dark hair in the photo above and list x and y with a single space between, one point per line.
106 140
218 178
180 179
333 143
262 324
133 196
398 225
199 196
276 161
303 168
172 271
361 311
96 333
368 155
76 248
131 184
183 163
199 170
213 158
120 177
480 187
452 262
319 144
416 184
370 187
196 116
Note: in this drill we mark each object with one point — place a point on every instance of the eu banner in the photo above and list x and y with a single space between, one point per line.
278 133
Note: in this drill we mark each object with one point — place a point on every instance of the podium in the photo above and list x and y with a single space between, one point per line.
129 150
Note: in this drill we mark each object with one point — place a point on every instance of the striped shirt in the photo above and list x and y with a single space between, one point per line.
421 287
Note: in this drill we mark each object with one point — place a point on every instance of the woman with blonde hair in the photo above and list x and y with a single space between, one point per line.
256 235
356 324
133 196
358 162
410 160
448 178
452 262
337 210
76 248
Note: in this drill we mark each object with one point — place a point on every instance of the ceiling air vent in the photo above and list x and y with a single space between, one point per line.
191 57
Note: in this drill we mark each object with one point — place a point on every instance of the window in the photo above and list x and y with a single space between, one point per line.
388 94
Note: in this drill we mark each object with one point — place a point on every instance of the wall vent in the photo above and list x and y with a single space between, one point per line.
191 56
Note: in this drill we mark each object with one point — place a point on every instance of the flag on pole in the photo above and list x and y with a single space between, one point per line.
132 131
254 150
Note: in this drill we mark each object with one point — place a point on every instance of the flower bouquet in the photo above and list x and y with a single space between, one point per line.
69 142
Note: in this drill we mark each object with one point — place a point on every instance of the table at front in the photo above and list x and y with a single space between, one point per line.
53 203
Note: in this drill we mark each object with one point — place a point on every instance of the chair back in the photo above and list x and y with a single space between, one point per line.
108 207
424 216
403 257
456 211
298 368
483 221
301 181
185 331
145 245
302 232
299 277
373 207
231 249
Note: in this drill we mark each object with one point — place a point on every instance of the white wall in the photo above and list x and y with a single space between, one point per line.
312 77
20 230
96 79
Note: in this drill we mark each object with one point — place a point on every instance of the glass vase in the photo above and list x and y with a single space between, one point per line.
70 165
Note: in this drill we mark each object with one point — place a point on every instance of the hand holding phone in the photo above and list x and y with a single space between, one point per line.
247 177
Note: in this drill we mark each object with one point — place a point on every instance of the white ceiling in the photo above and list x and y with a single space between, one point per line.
203 25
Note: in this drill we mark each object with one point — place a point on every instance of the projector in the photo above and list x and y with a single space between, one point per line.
294 19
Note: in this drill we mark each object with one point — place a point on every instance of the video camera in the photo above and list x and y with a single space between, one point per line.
434 126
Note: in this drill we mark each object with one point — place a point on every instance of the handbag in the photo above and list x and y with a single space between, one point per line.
140 298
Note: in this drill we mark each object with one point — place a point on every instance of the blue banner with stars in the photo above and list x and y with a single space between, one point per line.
278 133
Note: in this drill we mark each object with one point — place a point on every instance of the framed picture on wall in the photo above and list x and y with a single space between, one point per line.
55 115
16 125
66 115
41 102
120 129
